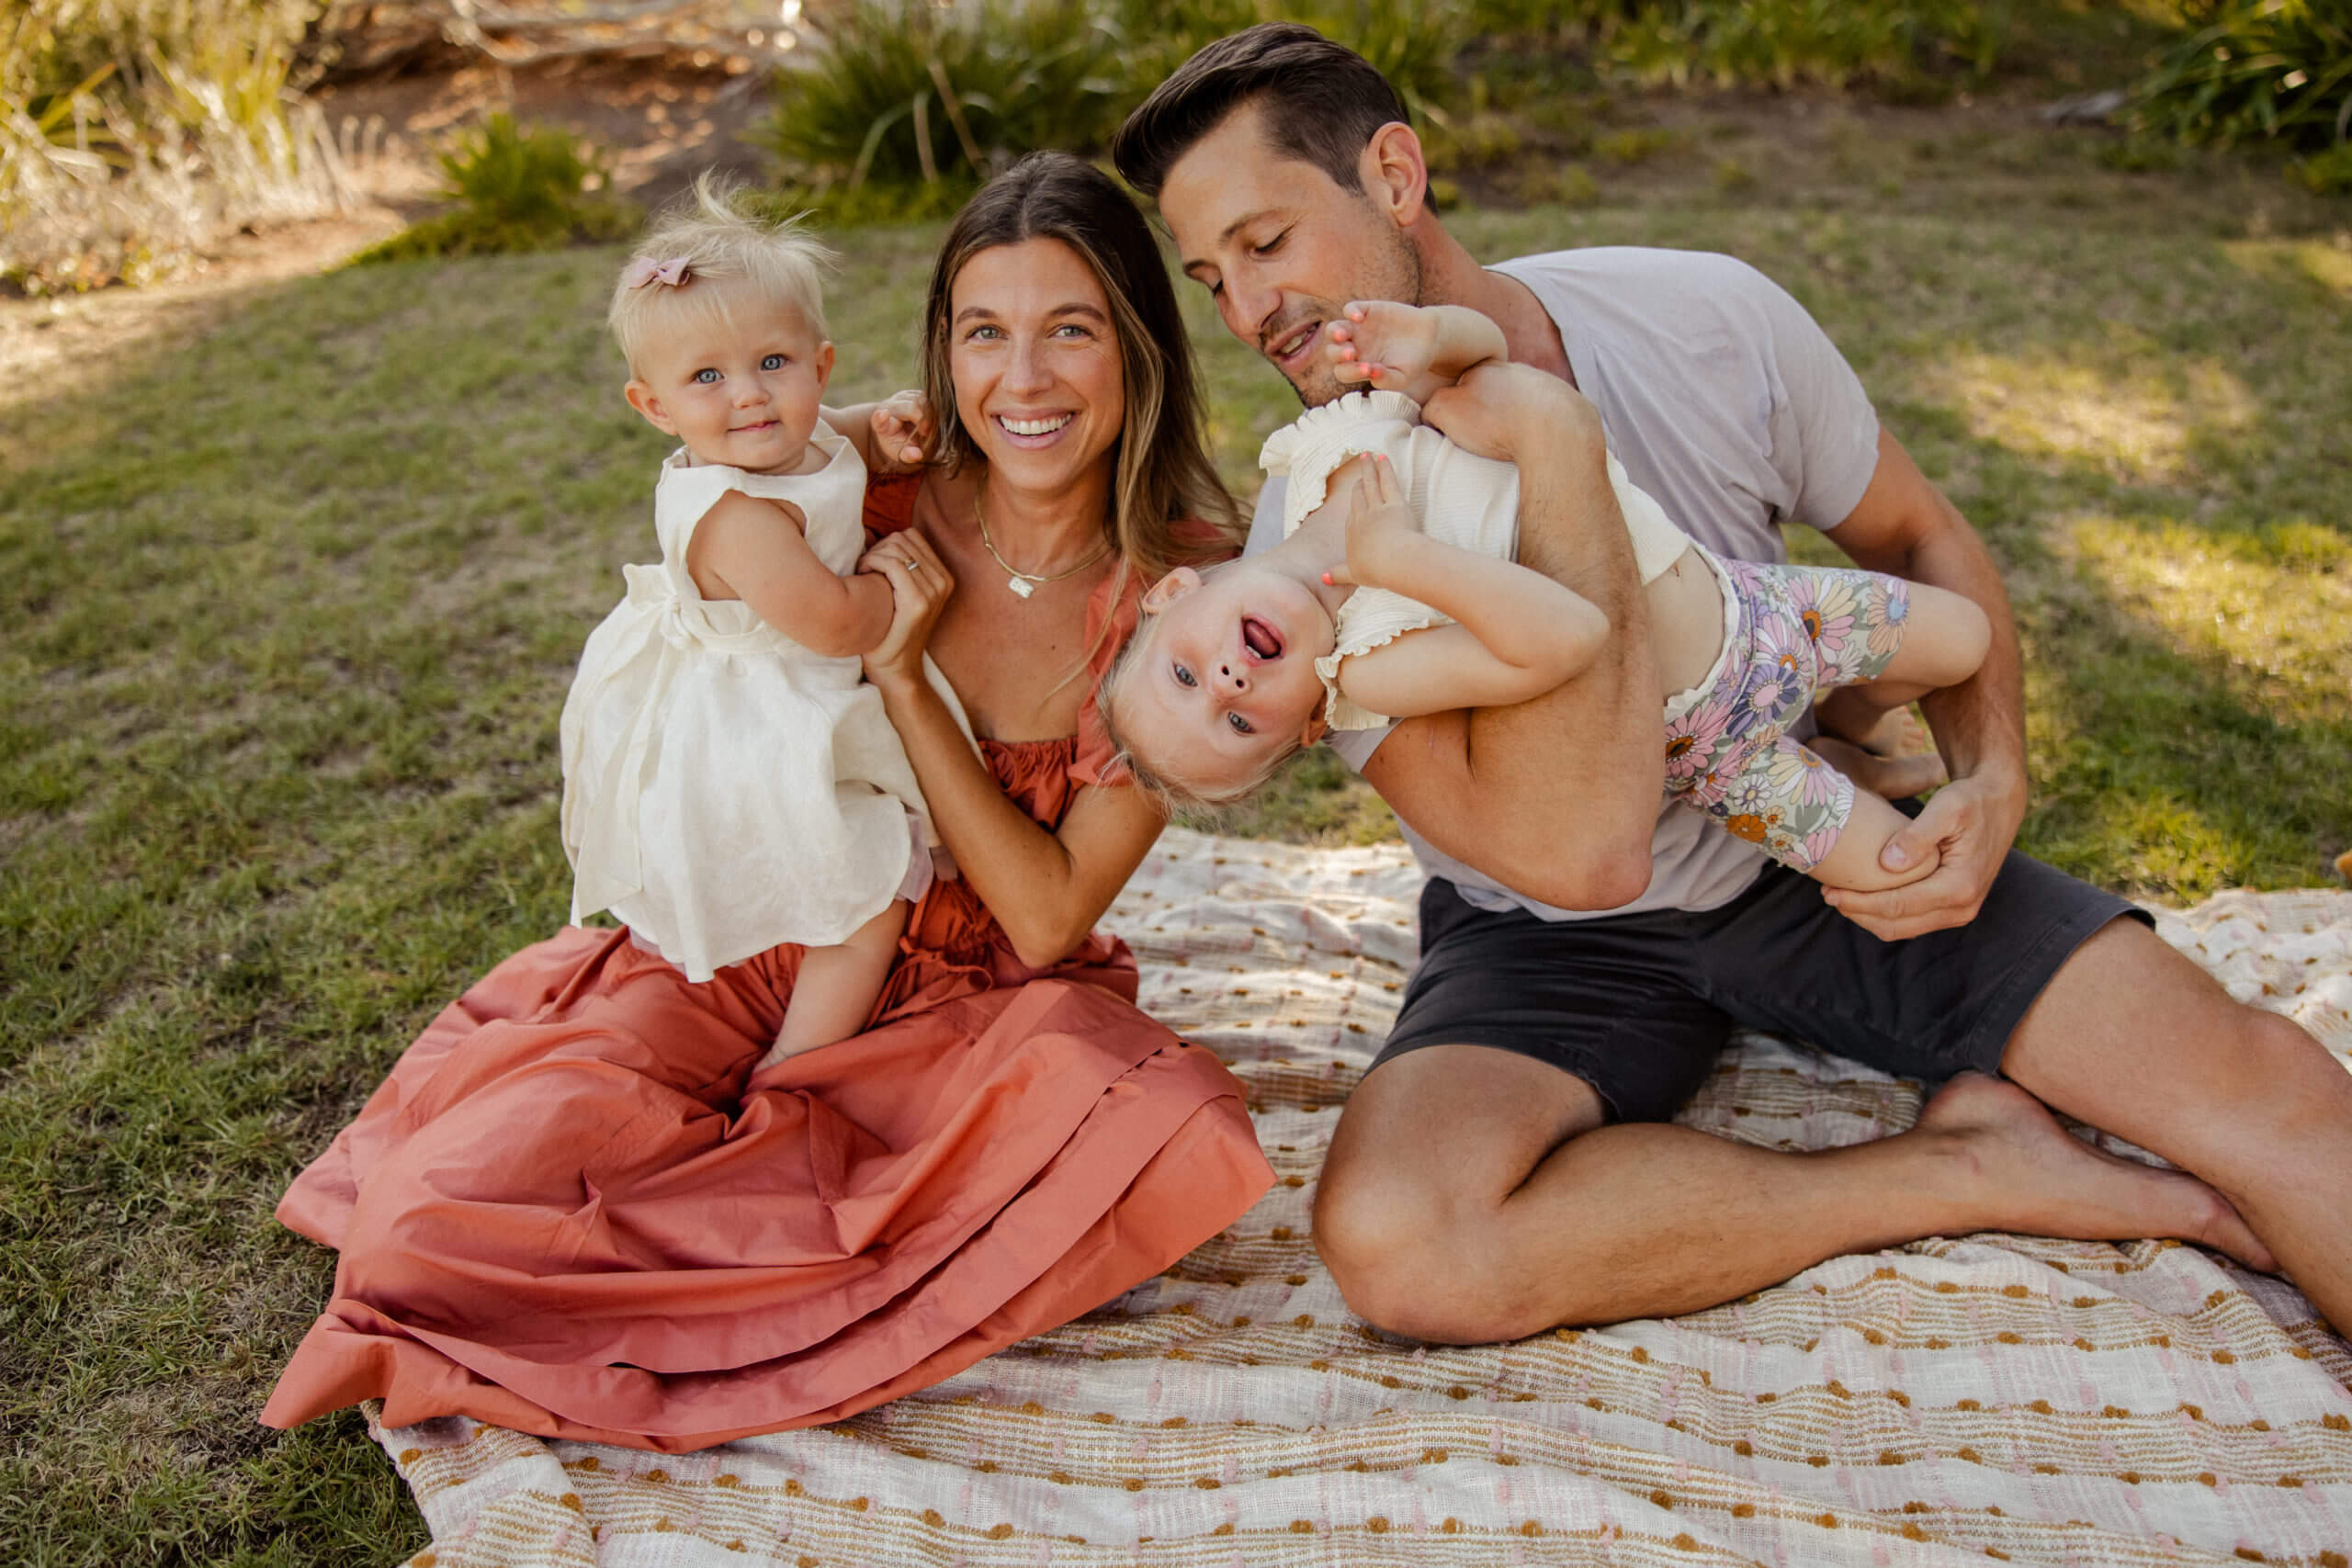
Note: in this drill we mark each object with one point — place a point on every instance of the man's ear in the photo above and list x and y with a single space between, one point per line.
640 398
1396 173
1179 581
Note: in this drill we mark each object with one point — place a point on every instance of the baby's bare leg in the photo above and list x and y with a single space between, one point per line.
1945 637
1852 860
836 986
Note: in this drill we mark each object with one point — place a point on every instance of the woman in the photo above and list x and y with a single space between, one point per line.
577 1209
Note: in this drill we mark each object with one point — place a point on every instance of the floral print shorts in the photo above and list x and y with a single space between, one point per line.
1792 632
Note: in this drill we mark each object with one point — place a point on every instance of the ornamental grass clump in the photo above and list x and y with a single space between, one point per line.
135 133
2255 71
514 190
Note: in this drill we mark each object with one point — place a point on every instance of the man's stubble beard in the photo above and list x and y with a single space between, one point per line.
1402 286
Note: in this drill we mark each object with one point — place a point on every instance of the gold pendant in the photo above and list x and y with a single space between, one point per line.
1020 586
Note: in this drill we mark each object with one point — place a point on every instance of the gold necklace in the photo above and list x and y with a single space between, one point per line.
1025 583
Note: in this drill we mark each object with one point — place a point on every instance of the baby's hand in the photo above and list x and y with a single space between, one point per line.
1379 521
901 424
1384 345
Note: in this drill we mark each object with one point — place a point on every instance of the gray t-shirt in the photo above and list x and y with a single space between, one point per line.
1725 401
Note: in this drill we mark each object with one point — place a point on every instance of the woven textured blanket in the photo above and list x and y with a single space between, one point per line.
1960 1399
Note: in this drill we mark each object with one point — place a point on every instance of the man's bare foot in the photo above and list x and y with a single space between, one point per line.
2044 1182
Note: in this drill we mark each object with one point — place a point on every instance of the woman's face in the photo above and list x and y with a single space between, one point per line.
1035 354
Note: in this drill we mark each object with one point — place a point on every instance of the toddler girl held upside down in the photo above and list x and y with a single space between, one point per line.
1395 592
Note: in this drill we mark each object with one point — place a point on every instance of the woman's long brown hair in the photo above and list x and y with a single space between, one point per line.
1169 508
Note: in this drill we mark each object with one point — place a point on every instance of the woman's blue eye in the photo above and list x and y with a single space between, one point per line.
706 378
772 362
1183 676
1240 724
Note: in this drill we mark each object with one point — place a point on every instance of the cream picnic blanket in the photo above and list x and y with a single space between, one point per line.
1958 1400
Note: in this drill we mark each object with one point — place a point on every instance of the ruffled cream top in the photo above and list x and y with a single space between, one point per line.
1463 500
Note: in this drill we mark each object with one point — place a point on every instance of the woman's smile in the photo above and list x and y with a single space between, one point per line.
1034 432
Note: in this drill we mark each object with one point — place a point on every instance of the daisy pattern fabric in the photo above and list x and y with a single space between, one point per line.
1798 631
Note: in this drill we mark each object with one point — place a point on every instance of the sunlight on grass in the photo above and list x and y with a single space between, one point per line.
2275 608
292 609
2139 425
2328 263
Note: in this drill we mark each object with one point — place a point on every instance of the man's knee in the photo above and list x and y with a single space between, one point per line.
1415 1263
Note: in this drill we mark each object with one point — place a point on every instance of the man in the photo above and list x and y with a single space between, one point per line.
1508 1164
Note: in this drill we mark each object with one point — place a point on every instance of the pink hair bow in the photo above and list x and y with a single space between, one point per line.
672 273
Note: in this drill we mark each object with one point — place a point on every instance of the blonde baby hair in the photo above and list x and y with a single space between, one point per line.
1165 784
708 238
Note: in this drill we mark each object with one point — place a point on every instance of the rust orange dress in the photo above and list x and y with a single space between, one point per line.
572 1209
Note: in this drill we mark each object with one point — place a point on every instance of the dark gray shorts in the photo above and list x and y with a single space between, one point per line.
1638 1006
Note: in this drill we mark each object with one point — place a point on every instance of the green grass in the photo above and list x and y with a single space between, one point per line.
292 609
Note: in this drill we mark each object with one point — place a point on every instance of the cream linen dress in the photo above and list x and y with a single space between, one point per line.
725 789
1459 499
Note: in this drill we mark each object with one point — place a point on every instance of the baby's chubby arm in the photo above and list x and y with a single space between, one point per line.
754 550
1412 349
1516 635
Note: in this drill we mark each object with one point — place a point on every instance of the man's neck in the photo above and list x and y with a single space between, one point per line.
1451 275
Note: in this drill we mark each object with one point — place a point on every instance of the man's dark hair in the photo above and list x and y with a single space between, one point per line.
1321 102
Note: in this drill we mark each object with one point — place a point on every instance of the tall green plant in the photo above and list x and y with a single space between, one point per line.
513 189
904 92
2255 71
1896 44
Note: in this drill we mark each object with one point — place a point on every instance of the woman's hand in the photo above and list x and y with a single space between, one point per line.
921 586
1379 523
901 424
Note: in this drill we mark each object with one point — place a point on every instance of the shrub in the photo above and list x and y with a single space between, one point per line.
911 96
2254 69
134 131
515 190
904 92
1898 45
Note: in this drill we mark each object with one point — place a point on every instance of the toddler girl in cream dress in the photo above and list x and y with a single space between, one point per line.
731 784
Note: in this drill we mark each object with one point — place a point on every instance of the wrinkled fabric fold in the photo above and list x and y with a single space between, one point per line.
573 1209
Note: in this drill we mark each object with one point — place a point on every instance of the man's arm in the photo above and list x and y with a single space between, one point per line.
1556 797
1903 525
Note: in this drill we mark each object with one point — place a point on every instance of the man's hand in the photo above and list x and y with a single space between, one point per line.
1502 411
1968 826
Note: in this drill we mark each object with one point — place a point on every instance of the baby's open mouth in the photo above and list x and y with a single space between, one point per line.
1261 639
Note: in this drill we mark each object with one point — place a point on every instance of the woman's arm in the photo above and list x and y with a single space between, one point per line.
755 552
1047 889
1518 633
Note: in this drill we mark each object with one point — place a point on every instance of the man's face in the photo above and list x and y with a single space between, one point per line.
1281 247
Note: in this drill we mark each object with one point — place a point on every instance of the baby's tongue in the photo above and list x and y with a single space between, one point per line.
1261 638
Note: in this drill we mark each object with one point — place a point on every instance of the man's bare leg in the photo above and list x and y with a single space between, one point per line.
2132 1037
1472 1195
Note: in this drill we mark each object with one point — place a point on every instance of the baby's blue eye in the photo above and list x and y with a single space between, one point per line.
1240 724
1183 676
706 378
772 362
